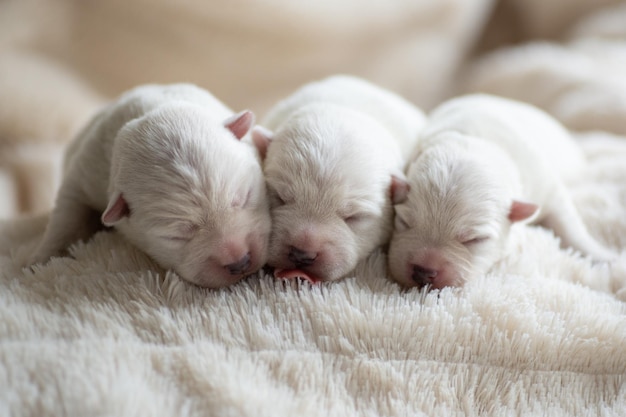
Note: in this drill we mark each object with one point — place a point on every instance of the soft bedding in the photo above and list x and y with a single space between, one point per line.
106 332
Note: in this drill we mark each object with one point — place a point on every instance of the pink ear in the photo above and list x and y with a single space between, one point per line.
261 137
117 209
240 123
399 189
522 211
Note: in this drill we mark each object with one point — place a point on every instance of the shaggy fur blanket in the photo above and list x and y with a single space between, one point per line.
105 332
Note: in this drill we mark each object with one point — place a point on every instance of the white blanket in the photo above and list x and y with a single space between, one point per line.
106 332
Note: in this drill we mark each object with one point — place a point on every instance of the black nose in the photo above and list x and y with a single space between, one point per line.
423 276
240 266
301 258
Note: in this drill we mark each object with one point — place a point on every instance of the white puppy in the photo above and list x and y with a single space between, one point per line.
481 164
333 165
166 167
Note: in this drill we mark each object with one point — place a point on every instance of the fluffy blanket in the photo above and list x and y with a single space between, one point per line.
106 332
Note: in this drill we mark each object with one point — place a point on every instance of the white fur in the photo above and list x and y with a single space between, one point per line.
330 170
169 175
479 160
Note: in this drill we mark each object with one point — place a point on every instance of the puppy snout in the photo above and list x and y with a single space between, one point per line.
301 258
240 266
423 276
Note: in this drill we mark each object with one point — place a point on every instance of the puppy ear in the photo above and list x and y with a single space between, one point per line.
240 123
117 209
522 211
261 137
399 189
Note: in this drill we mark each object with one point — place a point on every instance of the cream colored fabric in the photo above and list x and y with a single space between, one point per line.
42 106
580 81
108 333
550 19
250 53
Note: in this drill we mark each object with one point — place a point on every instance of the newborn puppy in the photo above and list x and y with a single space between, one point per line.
481 164
333 166
165 166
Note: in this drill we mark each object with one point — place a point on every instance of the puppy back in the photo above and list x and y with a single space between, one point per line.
400 117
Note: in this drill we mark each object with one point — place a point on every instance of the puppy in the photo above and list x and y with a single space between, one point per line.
481 164
333 165
166 167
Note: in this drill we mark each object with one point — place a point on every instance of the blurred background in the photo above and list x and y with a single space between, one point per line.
60 60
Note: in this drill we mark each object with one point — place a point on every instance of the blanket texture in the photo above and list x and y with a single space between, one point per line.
105 332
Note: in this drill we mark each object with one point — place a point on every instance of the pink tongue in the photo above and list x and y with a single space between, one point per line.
294 273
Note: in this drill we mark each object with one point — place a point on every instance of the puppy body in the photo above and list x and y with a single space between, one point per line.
481 164
334 162
164 165
402 120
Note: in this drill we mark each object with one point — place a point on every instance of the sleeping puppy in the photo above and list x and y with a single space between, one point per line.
333 165
166 167
481 164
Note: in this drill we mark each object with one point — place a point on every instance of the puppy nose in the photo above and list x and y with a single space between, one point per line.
423 276
301 258
240 266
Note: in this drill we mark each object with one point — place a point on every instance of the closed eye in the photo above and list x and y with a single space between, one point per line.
354 218
180 233
475 240
177 239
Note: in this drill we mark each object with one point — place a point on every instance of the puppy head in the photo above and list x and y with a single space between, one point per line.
455 221
330 191
189 193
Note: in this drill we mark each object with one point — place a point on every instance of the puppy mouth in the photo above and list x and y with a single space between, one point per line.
296 273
